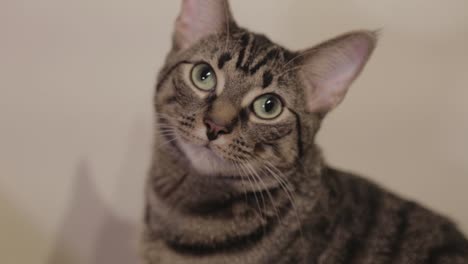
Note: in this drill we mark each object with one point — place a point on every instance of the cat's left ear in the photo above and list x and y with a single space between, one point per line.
199 19
328 70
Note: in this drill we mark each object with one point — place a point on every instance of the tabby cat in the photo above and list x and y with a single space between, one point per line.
237 176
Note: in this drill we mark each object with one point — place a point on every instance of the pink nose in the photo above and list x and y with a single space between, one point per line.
213 130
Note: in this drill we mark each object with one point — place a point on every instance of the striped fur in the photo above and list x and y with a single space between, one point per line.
281 203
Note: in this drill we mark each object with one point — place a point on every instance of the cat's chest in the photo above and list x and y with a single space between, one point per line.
160 253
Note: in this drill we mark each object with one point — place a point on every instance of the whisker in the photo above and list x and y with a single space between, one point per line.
273 203
168 132
242 166
279 174
291 197
237 166
299 56
252 172
166 143
293 69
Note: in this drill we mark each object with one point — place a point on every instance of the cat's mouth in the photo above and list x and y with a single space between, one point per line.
205 160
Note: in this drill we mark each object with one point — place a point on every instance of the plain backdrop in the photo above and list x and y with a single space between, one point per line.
76 85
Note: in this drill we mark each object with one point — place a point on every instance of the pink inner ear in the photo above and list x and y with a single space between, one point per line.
355 56
198 19
185 23
334 67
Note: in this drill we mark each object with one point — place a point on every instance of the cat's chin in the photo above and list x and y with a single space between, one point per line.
205 161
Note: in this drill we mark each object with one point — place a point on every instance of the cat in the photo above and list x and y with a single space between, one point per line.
236 175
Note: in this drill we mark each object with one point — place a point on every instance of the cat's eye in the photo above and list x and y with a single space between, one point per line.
203 77
268 106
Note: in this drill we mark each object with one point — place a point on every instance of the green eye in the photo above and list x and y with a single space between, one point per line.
204 77
268 106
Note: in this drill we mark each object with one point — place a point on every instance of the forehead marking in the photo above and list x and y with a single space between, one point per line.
267 79
272 54
257 44
245 39
225 57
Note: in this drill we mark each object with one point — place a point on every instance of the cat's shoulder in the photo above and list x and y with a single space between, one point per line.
418 218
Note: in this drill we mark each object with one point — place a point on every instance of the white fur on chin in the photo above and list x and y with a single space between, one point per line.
206 161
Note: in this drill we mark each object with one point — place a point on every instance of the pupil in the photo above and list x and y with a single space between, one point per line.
205 74
269 105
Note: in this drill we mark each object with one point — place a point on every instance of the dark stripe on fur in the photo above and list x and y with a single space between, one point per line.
259 43
244 115
455 247
210 99
270 56
170 100
221 208
267 79
447 250
374 198
244 43
224 210
223 59
299 134
230 245
250 58
167 193
402 227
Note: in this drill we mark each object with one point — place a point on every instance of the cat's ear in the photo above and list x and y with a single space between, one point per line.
328 69
201 18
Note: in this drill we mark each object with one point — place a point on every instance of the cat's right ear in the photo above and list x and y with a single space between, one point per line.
199 19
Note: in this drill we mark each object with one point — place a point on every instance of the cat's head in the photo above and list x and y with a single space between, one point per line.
235 104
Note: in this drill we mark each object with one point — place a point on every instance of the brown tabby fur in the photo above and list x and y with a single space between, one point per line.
270 198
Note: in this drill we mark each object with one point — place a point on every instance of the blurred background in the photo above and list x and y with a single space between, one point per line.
76 86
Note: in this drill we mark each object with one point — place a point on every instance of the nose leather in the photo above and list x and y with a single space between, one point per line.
214 130
220 119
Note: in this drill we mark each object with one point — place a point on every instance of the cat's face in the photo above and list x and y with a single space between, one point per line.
232 101
232 106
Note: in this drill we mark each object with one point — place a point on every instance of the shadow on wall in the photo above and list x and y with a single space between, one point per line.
94 232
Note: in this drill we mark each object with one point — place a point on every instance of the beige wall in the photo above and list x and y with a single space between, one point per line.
75 111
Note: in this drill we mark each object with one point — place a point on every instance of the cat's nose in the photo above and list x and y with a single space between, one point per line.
213 129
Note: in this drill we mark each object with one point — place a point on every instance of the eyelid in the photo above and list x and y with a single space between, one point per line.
258 91
283 102
197 62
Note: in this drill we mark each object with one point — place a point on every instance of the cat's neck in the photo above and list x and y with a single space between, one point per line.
186 209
